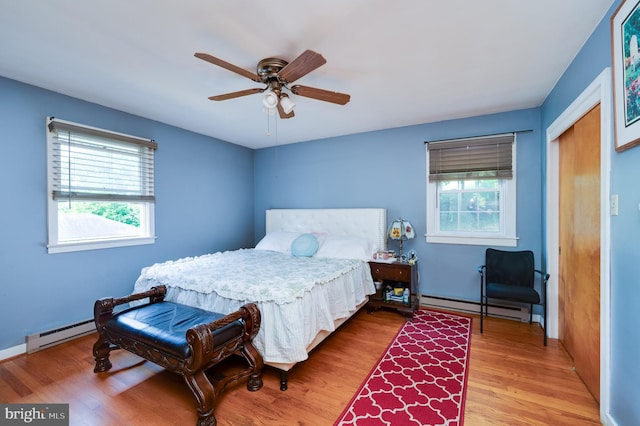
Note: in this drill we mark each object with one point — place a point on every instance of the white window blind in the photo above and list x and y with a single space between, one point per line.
482 157
96 165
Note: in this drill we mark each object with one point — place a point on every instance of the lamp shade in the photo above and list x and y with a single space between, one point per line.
401 229
270 100
286 103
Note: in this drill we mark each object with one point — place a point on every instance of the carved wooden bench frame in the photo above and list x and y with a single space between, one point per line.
204 352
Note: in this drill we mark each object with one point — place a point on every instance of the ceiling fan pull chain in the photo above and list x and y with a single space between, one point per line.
268 125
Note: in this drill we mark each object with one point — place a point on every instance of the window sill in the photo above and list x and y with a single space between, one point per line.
96 245
467 240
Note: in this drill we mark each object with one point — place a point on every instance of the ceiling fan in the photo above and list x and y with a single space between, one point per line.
277 74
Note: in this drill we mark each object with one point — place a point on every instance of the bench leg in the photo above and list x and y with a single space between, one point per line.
205 395
101 350
254 359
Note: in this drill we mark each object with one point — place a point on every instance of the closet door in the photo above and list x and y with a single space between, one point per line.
579 257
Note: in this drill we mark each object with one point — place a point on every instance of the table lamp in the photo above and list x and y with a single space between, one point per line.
401 230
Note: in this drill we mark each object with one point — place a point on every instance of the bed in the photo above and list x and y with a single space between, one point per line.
298 309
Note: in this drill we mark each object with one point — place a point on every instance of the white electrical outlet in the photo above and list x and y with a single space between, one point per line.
614 205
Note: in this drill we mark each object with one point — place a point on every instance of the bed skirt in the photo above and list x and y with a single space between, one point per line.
289 329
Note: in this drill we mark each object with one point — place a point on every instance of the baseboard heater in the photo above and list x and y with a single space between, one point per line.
46 339
514 312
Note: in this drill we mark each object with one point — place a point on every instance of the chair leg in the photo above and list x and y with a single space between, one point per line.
485 306
481 302
544 329
531 314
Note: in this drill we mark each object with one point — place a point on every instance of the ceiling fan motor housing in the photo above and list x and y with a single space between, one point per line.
269 68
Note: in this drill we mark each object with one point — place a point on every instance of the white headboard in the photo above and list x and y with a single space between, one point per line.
366 223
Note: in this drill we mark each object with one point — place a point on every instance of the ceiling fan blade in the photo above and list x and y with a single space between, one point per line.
321 95
284 115
227 65
302 65
235 94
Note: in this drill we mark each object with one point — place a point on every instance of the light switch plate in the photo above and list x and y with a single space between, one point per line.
614 205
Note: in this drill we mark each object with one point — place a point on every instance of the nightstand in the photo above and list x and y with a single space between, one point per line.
398 277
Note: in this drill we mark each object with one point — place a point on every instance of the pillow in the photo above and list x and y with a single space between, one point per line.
320 236
306 245
346 247
277 241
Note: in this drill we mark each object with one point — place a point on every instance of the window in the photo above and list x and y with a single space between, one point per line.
100 188
471 191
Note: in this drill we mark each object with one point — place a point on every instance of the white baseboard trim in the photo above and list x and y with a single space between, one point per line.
508 311
46 339
14 351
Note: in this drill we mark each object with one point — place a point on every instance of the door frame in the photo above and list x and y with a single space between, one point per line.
599 91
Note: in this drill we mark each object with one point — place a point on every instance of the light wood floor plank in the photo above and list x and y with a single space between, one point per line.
513 380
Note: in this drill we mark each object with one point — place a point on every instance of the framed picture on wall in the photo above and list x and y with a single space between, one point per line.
625 39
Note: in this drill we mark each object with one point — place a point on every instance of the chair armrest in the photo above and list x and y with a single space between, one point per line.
543 275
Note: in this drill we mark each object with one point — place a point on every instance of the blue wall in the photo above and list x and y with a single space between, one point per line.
204 191
387 169
625 228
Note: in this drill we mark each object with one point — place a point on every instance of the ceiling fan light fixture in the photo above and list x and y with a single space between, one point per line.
286 103
270 100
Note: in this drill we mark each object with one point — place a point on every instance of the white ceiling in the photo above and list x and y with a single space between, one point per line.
403 63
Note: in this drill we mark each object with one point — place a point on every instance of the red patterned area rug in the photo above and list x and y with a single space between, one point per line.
421 379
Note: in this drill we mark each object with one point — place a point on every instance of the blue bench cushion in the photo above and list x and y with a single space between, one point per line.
164 325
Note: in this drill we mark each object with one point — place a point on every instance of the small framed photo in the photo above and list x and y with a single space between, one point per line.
625 39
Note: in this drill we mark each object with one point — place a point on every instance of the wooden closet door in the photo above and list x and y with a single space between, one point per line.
579 268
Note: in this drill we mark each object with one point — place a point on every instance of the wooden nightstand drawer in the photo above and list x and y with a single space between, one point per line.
391 272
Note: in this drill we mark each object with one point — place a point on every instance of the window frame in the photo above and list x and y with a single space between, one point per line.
507 237
147 207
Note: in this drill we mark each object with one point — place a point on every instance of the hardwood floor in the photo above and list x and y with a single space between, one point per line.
513 380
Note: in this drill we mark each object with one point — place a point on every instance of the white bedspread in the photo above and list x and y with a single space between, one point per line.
297 296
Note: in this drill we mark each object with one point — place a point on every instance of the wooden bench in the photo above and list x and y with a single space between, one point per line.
182 339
